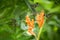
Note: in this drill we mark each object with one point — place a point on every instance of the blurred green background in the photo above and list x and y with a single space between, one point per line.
12 19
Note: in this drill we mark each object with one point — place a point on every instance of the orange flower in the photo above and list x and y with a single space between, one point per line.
40 19
30 24
28 20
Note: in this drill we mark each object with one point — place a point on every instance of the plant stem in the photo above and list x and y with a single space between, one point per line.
35 37
39 33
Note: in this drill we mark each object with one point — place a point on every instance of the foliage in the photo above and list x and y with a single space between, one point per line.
12 19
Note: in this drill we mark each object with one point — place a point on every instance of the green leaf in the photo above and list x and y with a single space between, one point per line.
45 3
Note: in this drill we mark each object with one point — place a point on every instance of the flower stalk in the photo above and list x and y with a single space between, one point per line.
40 22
